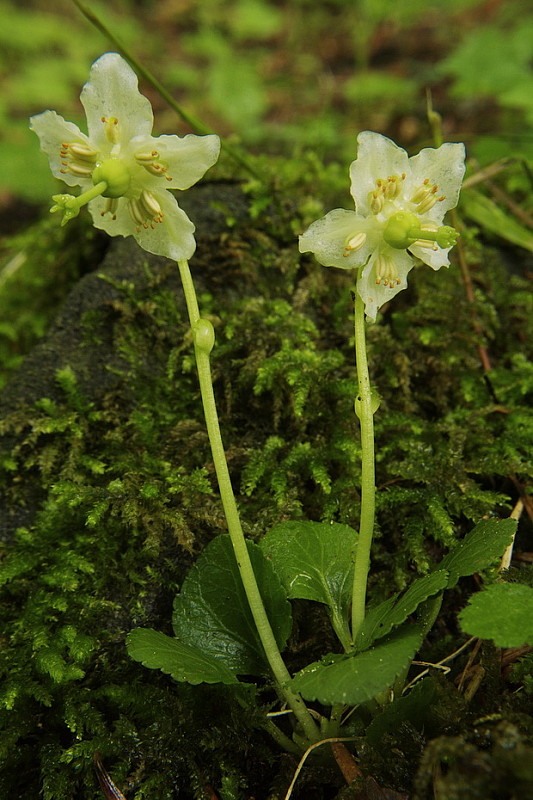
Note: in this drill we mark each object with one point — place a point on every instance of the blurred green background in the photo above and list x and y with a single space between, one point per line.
278 76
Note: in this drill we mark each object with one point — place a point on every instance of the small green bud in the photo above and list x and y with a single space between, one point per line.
117 176
204 335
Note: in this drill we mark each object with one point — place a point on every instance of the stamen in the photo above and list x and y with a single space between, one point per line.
386 272
425 196
145 211
152 164
111 129
354 243
393 186
425 243
77 158
110 207
377 201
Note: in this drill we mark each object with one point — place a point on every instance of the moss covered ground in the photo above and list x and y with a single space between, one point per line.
108 490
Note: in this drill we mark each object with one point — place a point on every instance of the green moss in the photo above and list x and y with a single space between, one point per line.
109 466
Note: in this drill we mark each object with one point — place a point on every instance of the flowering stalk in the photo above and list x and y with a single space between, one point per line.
204 339
364 408
125 175
400 204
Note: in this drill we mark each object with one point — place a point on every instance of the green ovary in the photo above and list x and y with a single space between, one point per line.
404 229
117 176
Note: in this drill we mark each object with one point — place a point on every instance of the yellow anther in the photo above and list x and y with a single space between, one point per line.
77 158
377 201
145 211
110 207
386 272
111 129
354 243
393 186
152 164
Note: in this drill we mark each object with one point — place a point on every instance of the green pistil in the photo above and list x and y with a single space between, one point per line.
71 205
403 230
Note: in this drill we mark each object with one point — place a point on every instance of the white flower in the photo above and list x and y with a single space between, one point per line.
123 171
400 203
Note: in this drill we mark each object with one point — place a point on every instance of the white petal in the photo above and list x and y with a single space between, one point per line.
327 238
112 91
375 294
187 158
52 131
433 258
444 166
173 237
122 225
377 157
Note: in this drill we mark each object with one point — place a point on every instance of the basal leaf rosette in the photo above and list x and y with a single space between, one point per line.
400 203
124 172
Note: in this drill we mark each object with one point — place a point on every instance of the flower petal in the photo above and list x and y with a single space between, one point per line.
377 157
375 294
112 91
187 158
327 238
173 237
444 166
52 131
433 258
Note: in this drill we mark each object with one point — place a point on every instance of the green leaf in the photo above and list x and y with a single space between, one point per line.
502 612
356 678
414 708
480 548
381 619
184 663
486 213
314 561
212 614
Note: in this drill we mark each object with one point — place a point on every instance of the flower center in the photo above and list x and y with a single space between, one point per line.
116 174
404 229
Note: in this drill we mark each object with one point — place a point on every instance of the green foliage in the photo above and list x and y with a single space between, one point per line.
355 679
490 217
480 549
216 641
314 561
502 612
477 74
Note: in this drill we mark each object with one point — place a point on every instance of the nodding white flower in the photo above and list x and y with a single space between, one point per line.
124 172
400 203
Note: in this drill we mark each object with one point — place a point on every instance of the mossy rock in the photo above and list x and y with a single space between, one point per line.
109 489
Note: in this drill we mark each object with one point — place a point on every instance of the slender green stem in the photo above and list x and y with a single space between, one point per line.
262 623
368 487
196 124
